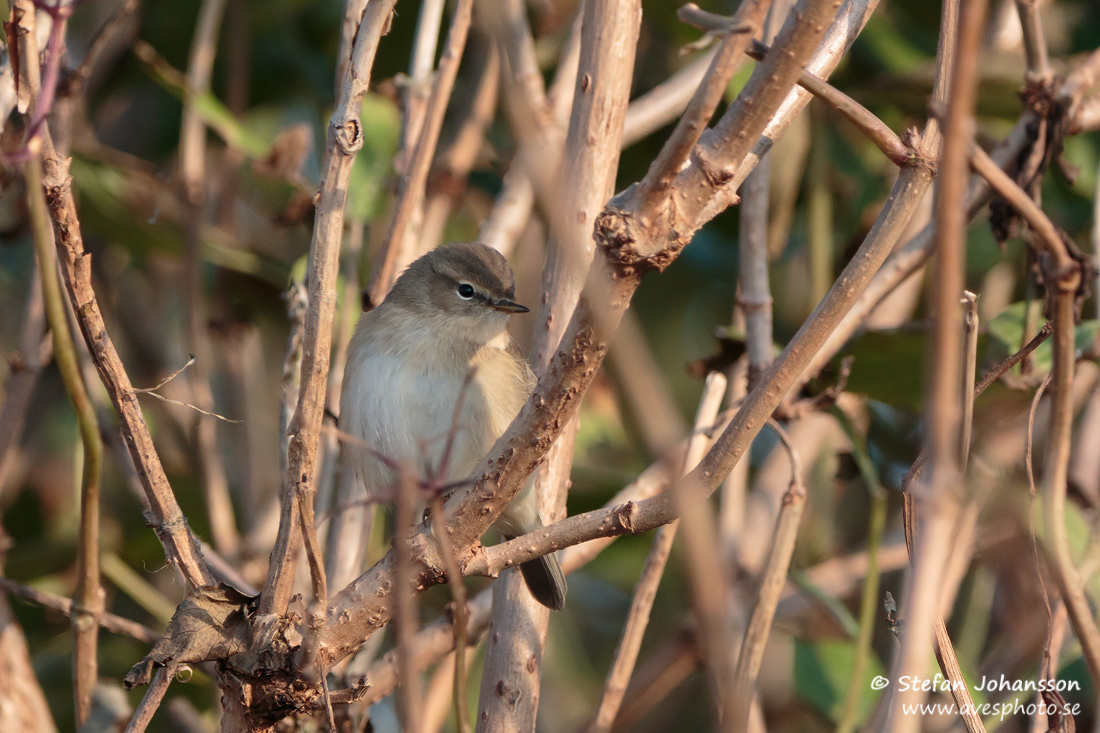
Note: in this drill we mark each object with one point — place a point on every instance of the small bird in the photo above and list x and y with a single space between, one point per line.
407 364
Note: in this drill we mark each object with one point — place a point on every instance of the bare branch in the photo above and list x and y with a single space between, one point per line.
1063 288
1035 42
743 682
737 35
107 621
1049 236
586 179
345 139
630 643
153 696
192 157
875 129
88 596
412 192
936 503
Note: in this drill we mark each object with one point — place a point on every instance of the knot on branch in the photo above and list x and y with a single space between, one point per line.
55 178
627 242
348 134
920 153
1039 96
425 552
717 175
625 515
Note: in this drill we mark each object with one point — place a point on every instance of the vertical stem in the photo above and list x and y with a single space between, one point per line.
755 298
820 209
1035 42
869 600
586 180
936 500
626 655
416 175
345 139
149 704
219 505
742 683
88 596
458 595
969 374
1054 488
405 606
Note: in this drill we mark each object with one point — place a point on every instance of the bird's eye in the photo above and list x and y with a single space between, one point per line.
466 291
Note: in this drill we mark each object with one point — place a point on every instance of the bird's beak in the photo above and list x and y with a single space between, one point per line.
508 306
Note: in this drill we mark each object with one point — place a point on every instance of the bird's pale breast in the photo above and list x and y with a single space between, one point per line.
406 408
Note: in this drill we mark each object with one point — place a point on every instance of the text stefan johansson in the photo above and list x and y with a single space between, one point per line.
986 684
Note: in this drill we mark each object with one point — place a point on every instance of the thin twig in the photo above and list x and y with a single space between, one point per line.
105 37
754 296
1029 437
192 163
737 32
1035 42
107 621
453 165
153 696
1063 287
665 102
88 595
877 131
969 374
405 606
1040 223
742 685
152 392
539 118
937 500
726 144
983 384
458 597
385 272
626 655
345 139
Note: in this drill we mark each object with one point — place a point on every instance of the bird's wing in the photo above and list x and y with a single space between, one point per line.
529 379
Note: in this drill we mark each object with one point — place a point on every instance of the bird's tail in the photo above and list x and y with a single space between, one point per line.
543 575
545 580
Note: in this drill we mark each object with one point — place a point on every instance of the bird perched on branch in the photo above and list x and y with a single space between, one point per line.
437 337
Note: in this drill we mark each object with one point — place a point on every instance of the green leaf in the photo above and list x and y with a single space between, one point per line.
1006 333
381 133
822 673
889 367
219 119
